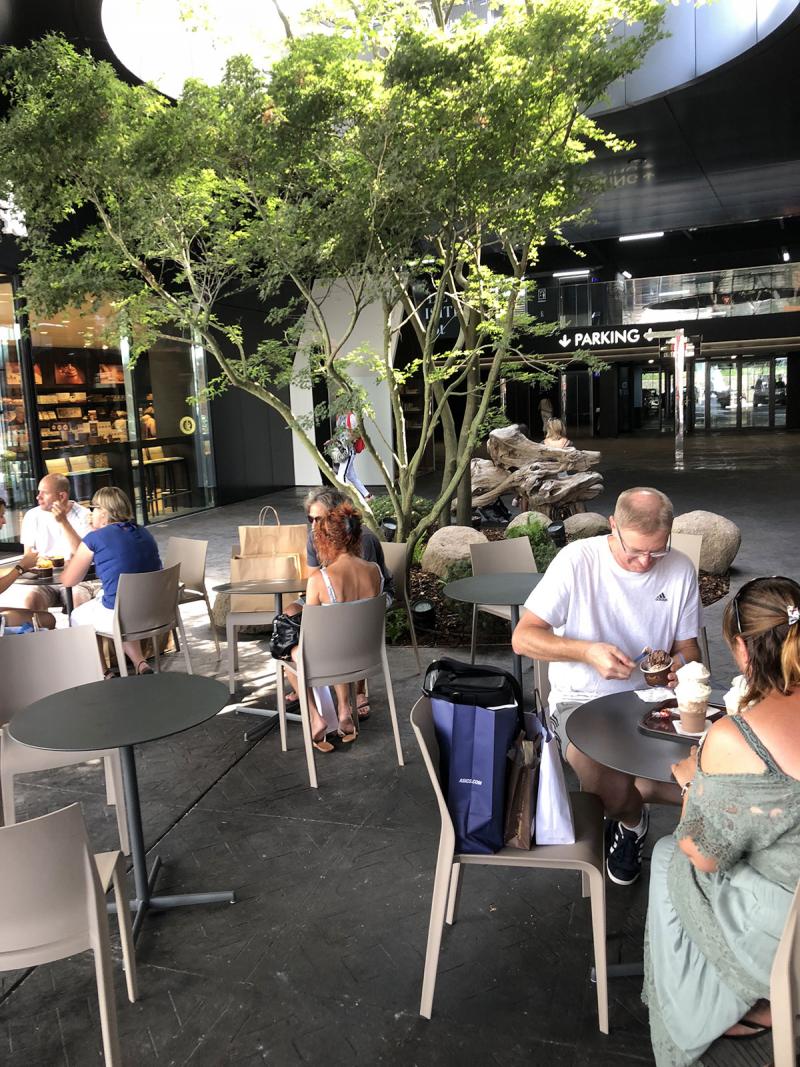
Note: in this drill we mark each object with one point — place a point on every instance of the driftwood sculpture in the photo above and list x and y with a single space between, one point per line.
554 481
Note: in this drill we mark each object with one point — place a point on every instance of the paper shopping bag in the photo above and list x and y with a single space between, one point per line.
522 786
252 568
274 540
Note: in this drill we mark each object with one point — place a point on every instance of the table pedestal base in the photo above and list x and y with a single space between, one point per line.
264 728
145 900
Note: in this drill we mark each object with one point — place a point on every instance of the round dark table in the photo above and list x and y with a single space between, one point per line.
121 713
28 578
498 590
607 730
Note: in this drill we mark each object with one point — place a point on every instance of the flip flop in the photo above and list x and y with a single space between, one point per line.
322 744
757 1030
363 710
347 737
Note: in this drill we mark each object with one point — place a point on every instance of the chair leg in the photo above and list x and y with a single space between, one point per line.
186 655
230 633
7 792
441 882
454 893
474 641
113 769
783 1023
125 929
413 632
598 905
302 692
213 626
281 697
105 996
122 662
704 653
354 705
392 709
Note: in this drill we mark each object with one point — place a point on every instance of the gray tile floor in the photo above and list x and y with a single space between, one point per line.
320 958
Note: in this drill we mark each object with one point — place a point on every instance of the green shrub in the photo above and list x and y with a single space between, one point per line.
397 627
462 568
544 551
419 549
381 507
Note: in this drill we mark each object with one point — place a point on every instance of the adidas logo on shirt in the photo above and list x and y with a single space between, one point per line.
661 598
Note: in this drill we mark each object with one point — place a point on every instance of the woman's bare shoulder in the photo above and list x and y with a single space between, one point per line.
725 751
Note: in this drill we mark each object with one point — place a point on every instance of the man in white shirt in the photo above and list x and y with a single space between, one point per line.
601 601
54 528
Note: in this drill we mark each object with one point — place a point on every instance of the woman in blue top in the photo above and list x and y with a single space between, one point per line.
117 546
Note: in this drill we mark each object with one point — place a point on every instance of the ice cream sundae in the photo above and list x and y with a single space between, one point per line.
734 698
44 568
656 666
692 693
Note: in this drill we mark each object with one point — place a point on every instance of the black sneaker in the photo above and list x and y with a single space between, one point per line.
624 851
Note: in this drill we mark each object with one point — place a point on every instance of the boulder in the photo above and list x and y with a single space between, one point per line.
525 517
721 538
448 546
587 524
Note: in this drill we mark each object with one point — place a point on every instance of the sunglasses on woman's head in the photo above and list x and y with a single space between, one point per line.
314 518
769 578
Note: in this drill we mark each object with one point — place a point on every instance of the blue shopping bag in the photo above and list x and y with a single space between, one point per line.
473 764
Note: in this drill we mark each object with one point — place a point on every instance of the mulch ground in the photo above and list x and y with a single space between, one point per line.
453 621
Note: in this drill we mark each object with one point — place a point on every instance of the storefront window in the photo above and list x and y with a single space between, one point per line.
780 391
80 398
17 481
723 391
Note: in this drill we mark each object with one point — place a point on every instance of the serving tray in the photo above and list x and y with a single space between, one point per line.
654 724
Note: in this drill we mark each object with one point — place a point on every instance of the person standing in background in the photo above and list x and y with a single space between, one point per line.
347 432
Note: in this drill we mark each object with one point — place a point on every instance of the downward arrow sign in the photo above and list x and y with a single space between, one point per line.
564 340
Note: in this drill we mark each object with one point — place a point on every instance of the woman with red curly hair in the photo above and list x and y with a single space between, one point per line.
343 577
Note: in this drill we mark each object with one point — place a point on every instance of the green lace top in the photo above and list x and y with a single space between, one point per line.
734 819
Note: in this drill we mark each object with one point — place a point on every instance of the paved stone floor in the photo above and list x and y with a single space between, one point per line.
320 958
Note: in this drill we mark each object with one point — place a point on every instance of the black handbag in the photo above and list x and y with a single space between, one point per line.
285 635
472 683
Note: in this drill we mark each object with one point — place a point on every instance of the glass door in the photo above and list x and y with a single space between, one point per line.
723 391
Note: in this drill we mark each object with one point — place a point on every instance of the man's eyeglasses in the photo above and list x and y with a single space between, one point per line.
640 555
770 578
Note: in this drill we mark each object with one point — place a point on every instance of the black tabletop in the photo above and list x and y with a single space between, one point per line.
607 730
122 711
494 589
264 585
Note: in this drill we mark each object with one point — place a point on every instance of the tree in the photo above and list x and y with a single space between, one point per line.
415 160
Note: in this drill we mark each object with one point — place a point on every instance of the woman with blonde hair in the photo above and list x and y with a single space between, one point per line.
555 435
342 577
117 546
721 887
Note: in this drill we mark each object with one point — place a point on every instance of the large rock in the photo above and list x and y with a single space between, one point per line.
448 546
586 524
525 517
721 538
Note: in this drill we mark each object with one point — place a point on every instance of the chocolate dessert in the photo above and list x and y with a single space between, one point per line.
656 666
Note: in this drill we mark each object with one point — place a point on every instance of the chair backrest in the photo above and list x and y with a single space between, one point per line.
784 987
56 466
148 601
343 641
153 453
37 665
395 556
425 733
190 555
503 557
49 878
690 544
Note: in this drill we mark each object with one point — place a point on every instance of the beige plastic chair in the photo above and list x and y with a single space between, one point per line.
784 989
147 606
191 556
396 557
510 556
691 545
52 905
35 666
586 856
338 643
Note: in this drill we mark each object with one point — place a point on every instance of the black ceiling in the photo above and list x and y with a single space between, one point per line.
716 163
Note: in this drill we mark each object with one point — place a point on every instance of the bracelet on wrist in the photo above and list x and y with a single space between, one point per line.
19 569
685 789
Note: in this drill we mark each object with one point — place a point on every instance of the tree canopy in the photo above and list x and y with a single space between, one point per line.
386 151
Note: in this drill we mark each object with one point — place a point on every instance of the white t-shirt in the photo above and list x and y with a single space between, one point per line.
586 595
41 531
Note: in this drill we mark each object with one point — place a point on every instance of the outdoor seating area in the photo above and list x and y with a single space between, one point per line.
273 921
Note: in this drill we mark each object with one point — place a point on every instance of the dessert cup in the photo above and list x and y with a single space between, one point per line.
693 717
658 675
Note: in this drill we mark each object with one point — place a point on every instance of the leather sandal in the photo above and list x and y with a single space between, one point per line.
322 744
144 668
348 736
363 710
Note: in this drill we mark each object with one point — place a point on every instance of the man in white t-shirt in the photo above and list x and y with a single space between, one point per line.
601 601
54 528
